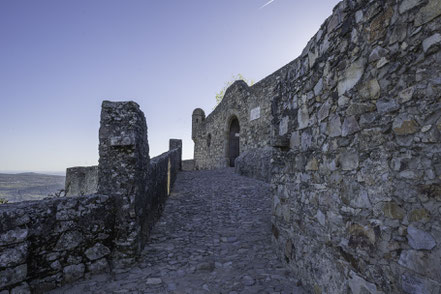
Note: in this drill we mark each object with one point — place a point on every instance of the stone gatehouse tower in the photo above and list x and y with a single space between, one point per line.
241 122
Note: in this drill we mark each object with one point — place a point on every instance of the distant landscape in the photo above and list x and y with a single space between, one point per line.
29 186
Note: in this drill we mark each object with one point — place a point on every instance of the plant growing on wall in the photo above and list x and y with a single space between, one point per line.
221 93
3 201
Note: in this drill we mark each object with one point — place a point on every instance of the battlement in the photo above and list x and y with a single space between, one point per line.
44 244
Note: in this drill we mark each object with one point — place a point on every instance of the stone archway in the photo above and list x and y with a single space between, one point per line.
233 141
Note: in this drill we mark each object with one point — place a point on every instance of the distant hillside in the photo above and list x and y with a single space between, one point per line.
29 186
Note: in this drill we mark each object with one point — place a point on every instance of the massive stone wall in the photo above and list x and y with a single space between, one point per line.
251 106
44 244
356 170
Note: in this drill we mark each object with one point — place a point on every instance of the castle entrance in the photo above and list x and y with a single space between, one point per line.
233 141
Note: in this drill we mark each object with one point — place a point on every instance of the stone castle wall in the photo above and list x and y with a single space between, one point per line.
356 172
44 244
251 106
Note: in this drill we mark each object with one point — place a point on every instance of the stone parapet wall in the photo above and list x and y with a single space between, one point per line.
47 243
81 180
255 163
188 165
357 171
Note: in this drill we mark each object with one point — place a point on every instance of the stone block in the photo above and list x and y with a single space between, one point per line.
428 12
14 256
11 276
13 236
97 251
351 76
74 272
348 160
419 239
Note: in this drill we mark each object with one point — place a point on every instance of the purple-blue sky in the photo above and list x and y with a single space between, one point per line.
60 59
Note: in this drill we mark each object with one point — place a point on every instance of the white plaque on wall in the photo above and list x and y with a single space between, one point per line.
255 113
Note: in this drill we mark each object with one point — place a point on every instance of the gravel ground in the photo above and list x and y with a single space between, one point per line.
214 237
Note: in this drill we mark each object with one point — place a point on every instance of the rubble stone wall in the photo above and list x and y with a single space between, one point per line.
250 105
356 173
53 241
255 163
44 244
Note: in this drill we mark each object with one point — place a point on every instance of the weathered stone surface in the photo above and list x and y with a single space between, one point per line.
361 200
22 289
408 4
376 54
413 285
255 163
324 111
379 24
360 286
428 12
431 41
392 210
303 117
13 236
406 94
350 126
318 88
349 160
359 108
418 239
81 181
385 106
73 272
351 76
417 215
370 90
294 142
97 251
14 275
98 266
283 126
334 127
404 126
312 165
69 240
13 256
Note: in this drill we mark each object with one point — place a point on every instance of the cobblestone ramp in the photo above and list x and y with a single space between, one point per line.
214 237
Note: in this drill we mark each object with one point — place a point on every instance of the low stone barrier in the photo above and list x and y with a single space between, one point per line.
255 163
45 244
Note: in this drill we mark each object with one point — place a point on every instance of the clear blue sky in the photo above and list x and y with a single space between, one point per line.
60 59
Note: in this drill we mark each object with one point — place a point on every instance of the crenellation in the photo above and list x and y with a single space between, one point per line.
45 244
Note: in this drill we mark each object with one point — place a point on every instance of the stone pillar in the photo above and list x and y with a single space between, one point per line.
122 172
176 143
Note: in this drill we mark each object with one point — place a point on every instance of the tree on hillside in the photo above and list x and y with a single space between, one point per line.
221 93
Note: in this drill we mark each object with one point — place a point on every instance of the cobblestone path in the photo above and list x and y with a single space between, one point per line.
214 237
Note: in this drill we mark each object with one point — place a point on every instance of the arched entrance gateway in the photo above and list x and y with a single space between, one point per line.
233 141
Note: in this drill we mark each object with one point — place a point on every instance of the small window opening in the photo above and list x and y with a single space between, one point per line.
208 140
